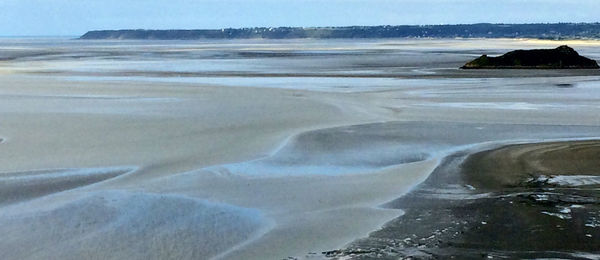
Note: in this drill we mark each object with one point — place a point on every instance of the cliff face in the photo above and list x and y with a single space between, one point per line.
563 57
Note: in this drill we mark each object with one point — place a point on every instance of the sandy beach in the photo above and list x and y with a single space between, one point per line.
261 149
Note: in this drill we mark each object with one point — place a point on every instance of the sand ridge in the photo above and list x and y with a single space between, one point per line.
515 164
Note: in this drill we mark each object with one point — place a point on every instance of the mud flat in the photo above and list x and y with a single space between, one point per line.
538 200
262 149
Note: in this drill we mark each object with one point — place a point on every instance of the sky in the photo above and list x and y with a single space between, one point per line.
75 17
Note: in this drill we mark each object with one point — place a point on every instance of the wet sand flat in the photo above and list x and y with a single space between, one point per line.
517 164
263 149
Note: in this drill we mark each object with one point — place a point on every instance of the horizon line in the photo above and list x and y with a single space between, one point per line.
76 35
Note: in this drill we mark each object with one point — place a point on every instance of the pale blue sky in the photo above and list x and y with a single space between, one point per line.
75 17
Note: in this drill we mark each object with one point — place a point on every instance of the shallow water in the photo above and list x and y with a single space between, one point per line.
325 65
149 226
372 147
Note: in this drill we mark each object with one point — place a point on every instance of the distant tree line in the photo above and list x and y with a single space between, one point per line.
481 30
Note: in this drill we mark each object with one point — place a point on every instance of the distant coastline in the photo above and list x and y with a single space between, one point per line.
553 31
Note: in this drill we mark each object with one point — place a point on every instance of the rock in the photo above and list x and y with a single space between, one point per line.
563 57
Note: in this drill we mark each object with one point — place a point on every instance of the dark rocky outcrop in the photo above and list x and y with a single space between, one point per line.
563 57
